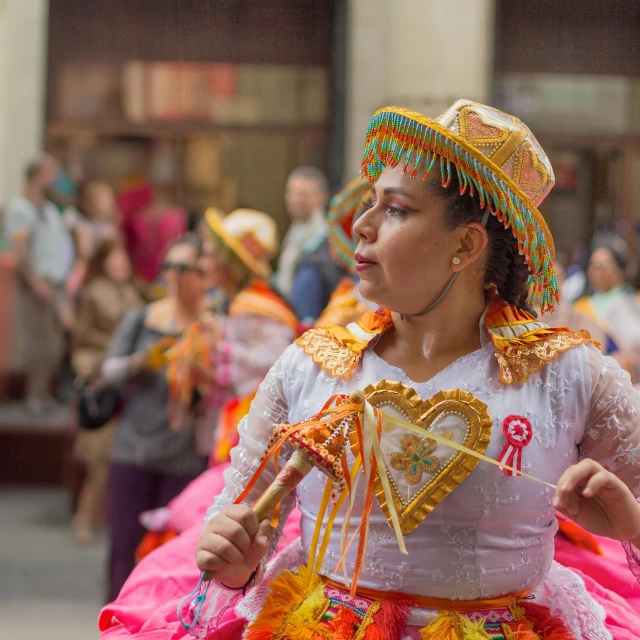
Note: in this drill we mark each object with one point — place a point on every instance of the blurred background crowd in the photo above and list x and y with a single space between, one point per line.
122 122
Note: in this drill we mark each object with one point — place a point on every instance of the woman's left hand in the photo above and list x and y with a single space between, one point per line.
598 501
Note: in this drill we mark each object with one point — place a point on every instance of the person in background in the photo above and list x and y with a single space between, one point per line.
150 461
35 231
70 173
219 292
612 305
260 325
106 298
148 231
94 220
306 197
242 343
245 344
345 304
567 315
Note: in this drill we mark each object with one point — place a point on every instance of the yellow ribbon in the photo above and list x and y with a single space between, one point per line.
458 447
370 424
334 513
316 534
346 524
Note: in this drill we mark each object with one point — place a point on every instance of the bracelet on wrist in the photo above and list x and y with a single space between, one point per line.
246 585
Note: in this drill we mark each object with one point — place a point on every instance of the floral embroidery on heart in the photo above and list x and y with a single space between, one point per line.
415 457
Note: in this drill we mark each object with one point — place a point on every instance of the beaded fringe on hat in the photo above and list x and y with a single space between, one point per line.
392 135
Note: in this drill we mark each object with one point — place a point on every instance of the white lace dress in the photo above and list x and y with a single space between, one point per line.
492 535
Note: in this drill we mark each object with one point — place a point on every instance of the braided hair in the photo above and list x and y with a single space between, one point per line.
505 267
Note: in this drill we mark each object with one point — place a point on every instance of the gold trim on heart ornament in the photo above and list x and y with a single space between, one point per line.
422 475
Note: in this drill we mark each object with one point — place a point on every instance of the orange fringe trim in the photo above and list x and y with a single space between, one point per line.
344 625
286 595
547 626
291 612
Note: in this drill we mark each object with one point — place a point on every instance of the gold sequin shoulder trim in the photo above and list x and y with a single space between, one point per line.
518 361
329 352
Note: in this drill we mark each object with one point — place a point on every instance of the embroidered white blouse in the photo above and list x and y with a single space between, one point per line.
492 535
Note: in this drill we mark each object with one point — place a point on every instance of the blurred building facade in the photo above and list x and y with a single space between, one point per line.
217 101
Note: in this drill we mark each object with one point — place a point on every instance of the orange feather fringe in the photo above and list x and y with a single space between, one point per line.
344 624
286 593
547 626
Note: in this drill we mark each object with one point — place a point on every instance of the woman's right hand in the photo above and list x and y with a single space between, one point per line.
233 544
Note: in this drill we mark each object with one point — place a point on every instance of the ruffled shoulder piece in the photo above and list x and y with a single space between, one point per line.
523 344
259 299
339 349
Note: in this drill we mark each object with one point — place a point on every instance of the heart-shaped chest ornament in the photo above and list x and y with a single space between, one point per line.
421 471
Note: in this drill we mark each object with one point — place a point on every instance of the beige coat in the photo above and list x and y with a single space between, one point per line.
103 305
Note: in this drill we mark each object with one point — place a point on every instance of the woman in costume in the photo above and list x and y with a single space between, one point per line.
150 461
490 420
612 305
259 325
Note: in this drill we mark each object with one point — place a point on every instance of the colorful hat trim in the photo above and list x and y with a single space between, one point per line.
342 210
259 299
394 132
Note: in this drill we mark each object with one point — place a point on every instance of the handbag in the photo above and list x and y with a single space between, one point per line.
98 401
98 405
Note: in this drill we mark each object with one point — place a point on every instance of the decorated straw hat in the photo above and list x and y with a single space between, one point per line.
251 236
494 155
342 210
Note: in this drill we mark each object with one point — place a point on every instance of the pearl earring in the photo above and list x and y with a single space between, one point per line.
456 260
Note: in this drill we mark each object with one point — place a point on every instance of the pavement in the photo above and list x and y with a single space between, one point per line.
51 588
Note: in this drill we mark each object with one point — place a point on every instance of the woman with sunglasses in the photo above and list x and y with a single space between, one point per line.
150 461
243 344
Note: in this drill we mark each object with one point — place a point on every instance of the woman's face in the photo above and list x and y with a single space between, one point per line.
101 205
117 266
182 273
405 251
211 263
604 273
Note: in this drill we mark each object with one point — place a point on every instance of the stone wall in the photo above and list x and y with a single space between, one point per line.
418 54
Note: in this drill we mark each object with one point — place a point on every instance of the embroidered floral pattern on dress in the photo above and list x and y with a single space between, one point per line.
492 497
612 433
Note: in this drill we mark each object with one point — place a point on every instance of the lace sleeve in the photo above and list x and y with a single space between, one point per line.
268 408
612 435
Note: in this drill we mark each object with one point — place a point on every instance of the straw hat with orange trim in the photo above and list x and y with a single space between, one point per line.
493 154
250 236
